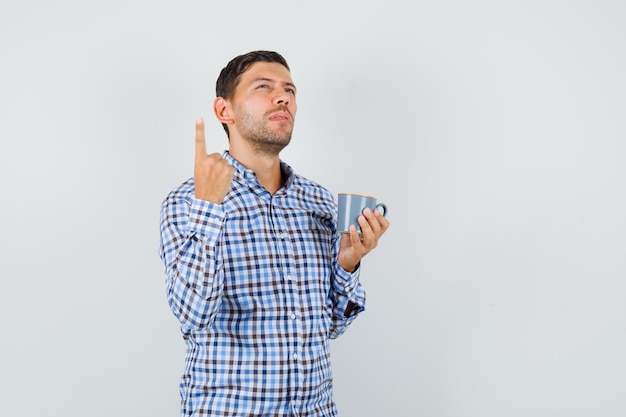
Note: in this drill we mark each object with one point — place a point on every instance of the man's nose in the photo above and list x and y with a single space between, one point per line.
282 98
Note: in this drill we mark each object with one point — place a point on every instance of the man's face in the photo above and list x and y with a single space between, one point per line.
264 107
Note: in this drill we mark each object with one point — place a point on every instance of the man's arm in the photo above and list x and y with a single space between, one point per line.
191 229
190 233
347 293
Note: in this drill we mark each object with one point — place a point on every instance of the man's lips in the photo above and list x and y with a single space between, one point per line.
280 117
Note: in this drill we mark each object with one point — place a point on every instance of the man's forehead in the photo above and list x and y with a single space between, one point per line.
271 71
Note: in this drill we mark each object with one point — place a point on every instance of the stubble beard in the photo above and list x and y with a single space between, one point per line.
263 140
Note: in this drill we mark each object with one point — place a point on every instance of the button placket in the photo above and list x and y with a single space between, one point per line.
282 226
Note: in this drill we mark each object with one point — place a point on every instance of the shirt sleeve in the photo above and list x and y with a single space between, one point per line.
191 230
347 293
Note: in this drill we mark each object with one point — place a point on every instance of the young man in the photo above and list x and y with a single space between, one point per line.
256 273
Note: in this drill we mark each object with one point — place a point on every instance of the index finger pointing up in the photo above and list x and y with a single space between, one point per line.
200 142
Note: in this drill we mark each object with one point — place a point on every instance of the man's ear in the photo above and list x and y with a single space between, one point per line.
222 110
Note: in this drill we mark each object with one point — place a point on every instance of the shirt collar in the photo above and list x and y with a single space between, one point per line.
249 176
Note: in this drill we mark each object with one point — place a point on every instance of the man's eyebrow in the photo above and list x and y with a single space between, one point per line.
289 84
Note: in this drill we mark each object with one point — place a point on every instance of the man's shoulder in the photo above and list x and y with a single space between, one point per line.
183 191
306 187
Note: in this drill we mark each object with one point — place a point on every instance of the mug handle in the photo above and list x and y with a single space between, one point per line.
382 206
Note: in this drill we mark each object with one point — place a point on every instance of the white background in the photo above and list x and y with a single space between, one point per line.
493 130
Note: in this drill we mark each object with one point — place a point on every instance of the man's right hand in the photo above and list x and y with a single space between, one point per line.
212 173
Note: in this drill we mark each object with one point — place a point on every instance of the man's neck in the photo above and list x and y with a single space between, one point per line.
266 167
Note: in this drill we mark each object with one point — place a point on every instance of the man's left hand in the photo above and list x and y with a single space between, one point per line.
354 246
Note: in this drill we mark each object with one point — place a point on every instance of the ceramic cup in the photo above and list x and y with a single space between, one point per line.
350 206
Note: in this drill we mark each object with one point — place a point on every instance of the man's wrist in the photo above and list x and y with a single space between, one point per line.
351 268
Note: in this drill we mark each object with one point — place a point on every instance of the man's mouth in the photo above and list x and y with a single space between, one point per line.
280 117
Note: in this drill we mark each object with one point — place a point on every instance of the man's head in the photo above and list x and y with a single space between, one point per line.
231 74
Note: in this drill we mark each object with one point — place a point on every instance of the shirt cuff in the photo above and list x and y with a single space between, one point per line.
206 218
345 280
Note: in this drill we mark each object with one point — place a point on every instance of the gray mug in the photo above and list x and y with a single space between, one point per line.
351 205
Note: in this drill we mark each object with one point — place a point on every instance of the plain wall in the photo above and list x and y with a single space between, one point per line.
493 130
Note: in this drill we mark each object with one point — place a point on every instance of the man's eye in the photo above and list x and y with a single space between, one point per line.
290 91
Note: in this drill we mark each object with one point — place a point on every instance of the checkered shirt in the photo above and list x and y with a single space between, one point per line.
259 293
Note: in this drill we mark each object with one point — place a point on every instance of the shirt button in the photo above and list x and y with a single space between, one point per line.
281 235
294 355
293 317
289 277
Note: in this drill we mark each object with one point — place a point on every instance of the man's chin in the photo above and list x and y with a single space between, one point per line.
272 147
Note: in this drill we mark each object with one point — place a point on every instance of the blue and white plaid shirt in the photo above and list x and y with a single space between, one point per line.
257 288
